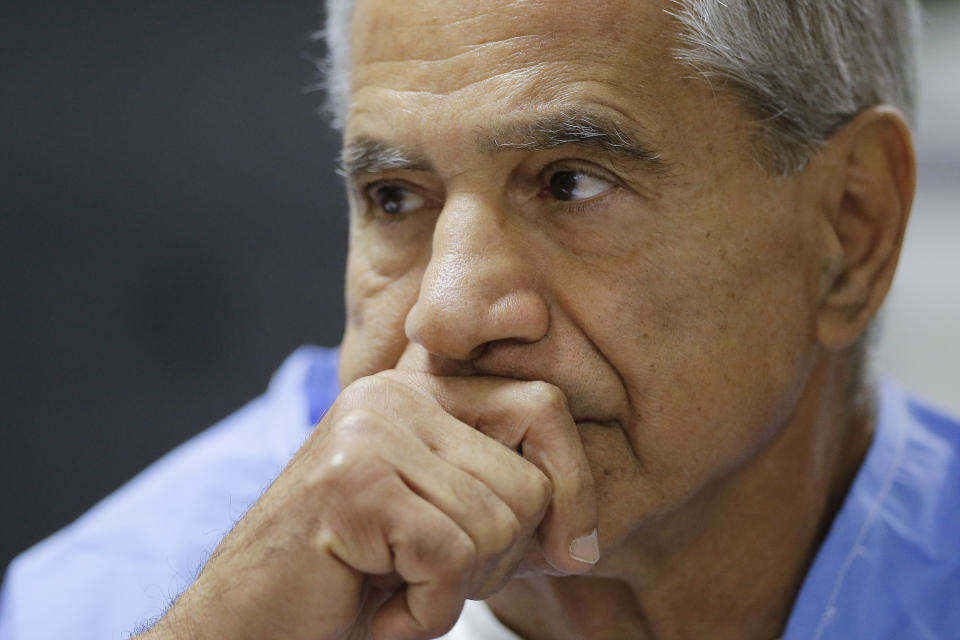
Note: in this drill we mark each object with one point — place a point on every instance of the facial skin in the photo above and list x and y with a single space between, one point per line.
683 299
674 305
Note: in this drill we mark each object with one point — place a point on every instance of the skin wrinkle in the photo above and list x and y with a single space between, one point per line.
468 50
516 43
513 72
585 15
459 80
430 20
633 420
636 290
384 282
633 417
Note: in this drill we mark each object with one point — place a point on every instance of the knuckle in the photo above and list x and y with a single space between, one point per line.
359 390
499 530
505 532
377 389
446 555
571 470
352 432
537 492
355 422
350 455
547 397
395 376
461 555
540 486
498 524
469 491
342 475
384 391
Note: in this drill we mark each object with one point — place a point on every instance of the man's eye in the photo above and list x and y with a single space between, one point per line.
394 199
570 186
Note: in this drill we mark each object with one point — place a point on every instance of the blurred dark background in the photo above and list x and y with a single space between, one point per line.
170 229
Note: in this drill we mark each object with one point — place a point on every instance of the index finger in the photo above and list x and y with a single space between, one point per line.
531 417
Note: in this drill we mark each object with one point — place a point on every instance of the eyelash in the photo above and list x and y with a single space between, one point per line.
367 191
580 206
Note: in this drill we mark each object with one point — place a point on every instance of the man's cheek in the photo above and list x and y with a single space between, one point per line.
376 310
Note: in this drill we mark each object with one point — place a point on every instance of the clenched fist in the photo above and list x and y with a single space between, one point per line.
414 493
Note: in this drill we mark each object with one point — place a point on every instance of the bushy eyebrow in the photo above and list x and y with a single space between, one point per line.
365 154
579 128
370 155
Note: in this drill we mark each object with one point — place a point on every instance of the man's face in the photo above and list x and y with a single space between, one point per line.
651 270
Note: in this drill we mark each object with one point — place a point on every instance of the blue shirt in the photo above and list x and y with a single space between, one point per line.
889 567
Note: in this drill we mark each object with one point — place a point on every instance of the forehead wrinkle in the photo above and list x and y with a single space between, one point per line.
572 126
462 50
434 79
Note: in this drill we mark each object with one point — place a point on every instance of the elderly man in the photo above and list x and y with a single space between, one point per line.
611 265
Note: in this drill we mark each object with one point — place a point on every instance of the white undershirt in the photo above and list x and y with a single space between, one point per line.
477 622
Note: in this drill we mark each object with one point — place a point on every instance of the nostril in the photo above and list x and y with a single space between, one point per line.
445 332
412 325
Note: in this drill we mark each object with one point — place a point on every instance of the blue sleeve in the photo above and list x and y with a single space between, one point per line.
6 613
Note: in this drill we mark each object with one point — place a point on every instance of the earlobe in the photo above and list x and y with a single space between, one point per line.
876 182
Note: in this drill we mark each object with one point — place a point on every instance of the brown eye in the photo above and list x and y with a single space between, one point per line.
571 186
394 199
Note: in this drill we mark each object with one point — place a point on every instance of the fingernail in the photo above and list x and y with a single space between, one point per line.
586 548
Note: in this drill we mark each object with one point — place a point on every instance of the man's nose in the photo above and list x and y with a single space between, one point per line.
480 285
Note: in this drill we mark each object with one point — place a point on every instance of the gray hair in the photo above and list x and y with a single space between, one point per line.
335 70
802 68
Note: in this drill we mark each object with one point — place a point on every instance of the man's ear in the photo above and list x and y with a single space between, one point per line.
868 204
